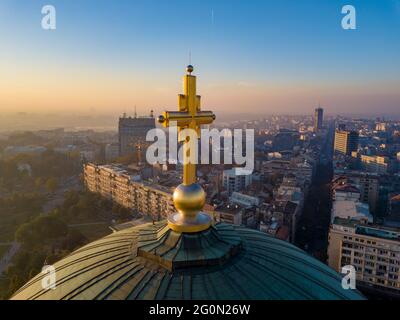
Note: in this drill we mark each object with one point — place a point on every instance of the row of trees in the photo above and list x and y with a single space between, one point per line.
88 206
22 139
42 237
17 208
48 166
44 240
47 238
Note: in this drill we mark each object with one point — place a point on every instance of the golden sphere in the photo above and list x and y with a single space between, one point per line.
189 199
161 119
189 68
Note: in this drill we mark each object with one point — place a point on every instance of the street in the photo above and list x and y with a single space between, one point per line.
57 198
313 227
6 259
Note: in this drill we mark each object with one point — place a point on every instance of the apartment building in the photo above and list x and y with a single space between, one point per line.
367 183
378 164
374 251
232 181
117 184
230 214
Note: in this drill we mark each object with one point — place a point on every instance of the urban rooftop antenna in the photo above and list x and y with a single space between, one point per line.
190 57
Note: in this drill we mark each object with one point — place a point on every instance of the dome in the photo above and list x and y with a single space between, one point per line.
223 262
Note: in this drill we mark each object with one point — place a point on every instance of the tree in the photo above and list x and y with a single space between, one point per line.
51 185
71 198
38 182
74 240
121 212
41 230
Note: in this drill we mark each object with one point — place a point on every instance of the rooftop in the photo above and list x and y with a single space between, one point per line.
224 262
372 230
349 209
347 188
286 207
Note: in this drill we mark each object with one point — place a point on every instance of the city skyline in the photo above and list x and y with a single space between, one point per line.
258 57
214 153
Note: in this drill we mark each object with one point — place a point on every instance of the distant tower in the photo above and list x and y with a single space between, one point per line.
318 119
132 133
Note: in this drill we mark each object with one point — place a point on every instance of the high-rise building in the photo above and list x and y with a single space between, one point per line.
367 183
374 252
188 256
132 133
378 164
318 119
233 182
381 126
346 142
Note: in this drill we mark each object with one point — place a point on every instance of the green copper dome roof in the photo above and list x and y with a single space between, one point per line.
223 262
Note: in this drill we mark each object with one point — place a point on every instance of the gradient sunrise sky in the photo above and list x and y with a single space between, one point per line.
271 56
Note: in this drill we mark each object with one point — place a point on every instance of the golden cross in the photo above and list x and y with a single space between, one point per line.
189 116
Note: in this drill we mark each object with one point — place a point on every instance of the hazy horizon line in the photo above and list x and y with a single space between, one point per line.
222 113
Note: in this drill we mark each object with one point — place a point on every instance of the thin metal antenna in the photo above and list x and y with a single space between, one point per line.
135 112
190 57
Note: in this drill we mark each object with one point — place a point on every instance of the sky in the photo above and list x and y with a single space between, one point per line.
267 56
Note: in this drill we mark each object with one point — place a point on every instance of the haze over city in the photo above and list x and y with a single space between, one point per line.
257 56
